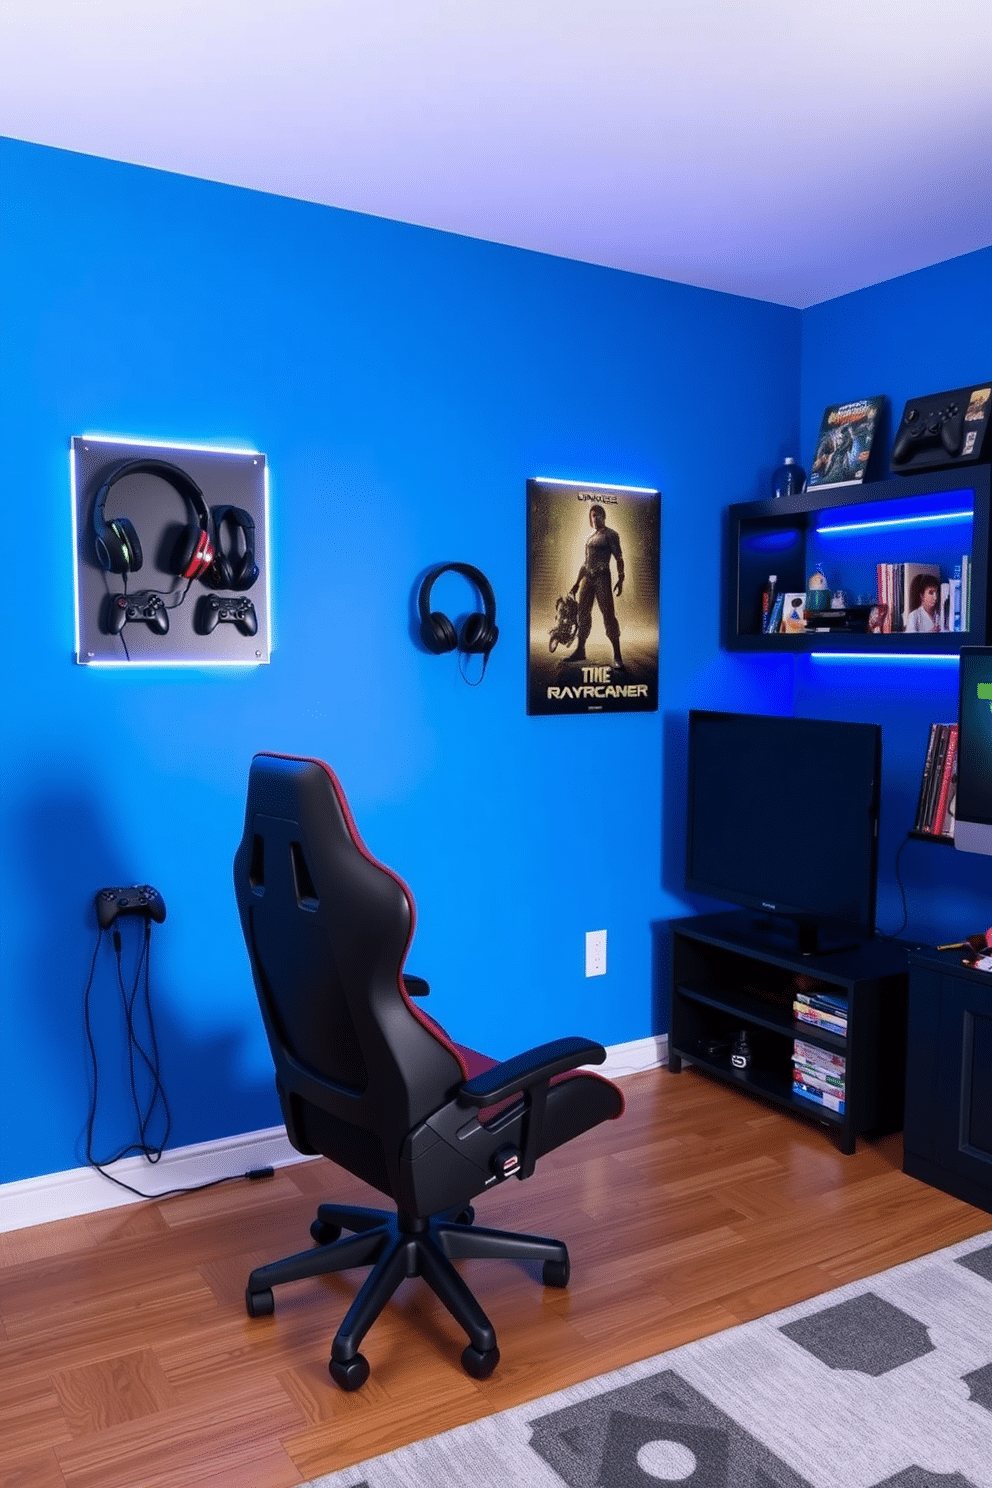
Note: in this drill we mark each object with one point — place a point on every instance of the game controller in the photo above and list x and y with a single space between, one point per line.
123 609
138 899
921 430
214 608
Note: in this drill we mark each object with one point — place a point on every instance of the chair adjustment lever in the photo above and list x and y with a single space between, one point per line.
506 1161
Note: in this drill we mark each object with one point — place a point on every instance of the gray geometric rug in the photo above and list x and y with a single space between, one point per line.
885 1383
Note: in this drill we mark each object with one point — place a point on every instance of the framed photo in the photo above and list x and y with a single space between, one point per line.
593 565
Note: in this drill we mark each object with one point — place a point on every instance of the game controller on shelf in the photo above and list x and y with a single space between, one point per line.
944 426
137 899
235 610
125 609
942 429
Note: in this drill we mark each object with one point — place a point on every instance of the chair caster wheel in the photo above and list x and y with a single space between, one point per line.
479 1365
556 1273
465 1216
260 1304
350 1376
325 1234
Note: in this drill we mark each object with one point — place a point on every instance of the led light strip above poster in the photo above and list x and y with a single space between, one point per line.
172 553
593 564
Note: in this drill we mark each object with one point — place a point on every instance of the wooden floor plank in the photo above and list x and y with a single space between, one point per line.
128 1358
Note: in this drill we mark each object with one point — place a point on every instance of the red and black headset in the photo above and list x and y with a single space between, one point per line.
117 545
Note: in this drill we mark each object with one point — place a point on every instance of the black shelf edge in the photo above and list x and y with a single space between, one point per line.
751 1009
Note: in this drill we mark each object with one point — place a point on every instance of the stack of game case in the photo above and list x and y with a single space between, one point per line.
819 1076
825 1009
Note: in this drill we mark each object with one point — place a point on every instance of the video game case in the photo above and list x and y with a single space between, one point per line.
819 1097
817 1075
936 774
809 1075
925 777
816 1018
834 1008
813 1054
946 781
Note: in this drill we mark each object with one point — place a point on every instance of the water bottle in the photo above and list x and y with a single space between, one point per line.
789 479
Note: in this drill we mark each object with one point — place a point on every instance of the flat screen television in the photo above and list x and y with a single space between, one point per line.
973 803
783 820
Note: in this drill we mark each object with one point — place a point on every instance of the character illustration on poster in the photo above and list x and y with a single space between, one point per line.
593 565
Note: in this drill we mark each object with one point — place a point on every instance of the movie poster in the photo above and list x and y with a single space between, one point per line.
593 563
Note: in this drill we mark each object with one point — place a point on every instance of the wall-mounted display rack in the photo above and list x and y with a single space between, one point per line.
171 549
937 519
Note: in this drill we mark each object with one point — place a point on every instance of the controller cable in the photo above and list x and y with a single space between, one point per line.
163 598
894 934
143 1147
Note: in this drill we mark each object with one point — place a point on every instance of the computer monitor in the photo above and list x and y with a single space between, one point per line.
973 804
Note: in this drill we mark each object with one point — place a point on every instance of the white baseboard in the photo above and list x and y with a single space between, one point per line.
33 1201
632 1058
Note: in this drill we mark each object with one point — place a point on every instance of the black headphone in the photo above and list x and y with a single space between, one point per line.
479 633
118 549
232 570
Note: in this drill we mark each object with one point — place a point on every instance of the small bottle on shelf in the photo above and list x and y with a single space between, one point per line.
769 594
789 479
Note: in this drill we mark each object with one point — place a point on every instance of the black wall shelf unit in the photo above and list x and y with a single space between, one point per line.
877 522
948 1129
722 983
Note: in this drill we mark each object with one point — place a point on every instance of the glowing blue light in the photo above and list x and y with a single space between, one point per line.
882 656
550 480
208 449
961 516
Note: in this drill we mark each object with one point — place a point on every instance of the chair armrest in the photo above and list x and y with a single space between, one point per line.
416 986
524 1071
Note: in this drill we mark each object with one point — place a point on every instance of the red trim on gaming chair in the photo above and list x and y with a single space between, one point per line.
435 1029
471 1061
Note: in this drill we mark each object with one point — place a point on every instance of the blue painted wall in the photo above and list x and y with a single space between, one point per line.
917 334
404 384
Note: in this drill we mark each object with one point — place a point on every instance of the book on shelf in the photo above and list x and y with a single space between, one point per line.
926 777
948 782
935 805
774 617
844 443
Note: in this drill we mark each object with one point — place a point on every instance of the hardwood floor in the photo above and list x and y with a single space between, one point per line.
127 1360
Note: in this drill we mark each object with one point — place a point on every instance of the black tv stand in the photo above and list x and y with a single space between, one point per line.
724 983
802 937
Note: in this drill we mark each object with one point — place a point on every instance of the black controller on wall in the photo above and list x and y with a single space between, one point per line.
126 609
942 430
137 899
239 611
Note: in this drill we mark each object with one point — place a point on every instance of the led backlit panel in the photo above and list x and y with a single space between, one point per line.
205 625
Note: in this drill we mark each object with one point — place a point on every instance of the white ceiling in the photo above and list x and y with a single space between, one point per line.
787 149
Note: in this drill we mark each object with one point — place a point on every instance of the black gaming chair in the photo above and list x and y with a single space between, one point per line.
368 1080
